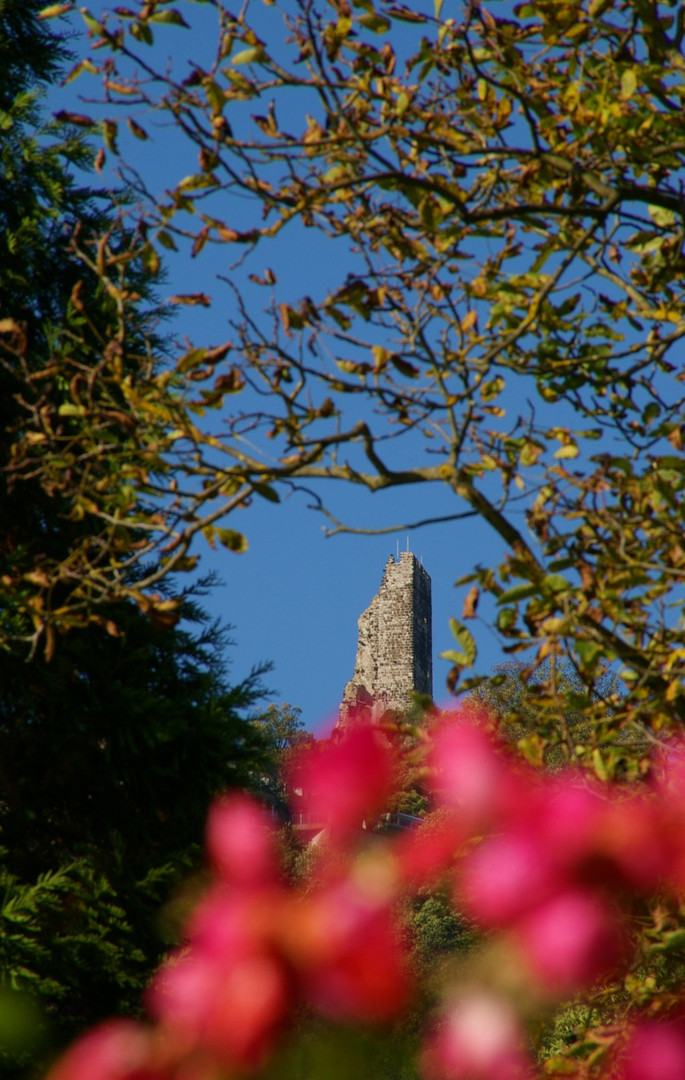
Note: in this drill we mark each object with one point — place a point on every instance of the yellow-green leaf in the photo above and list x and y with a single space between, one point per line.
266 492
403 101
166 240
53 11
150 259
530 452
377 23
492 388
110 129
249 56
464 638
232 540
169 15
628 83
196 181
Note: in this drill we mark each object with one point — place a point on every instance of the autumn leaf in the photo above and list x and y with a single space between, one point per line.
471 603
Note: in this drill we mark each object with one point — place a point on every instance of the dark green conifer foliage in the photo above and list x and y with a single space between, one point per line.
109 755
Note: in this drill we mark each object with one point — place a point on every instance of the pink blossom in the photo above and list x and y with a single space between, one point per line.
632 838
571 940
228 921
479 1039
229 990
240 841
232 1006
597 837
257 950
425 854
116 1050
564 838
670 790
655 1051
471 775
349 953
670 783
505 877
348 782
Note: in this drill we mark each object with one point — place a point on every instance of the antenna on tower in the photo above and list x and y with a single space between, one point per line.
397 543
407 541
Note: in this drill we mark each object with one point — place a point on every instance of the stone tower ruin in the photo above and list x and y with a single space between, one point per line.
395 647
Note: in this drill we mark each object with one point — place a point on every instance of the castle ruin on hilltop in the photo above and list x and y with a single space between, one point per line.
395 646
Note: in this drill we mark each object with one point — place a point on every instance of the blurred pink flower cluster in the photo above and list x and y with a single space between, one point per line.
552 864
557 870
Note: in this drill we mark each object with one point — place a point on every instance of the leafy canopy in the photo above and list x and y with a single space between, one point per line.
94 431
505 187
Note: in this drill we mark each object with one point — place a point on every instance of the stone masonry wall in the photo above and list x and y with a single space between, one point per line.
394 651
